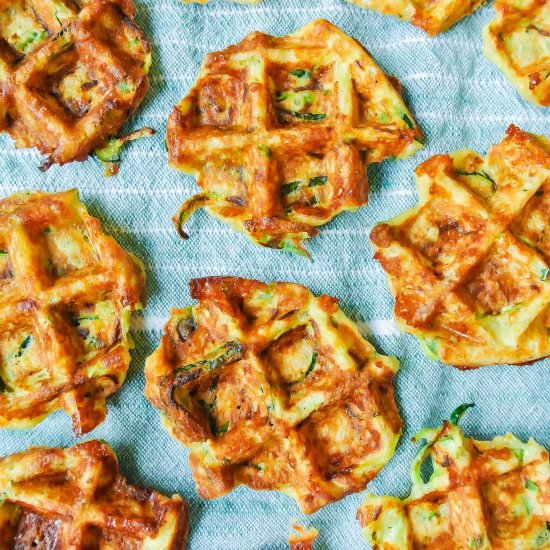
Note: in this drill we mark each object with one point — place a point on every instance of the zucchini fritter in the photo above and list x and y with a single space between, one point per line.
279 130
66 295
76 499
303 538
69 75
274 388
517 41
469 265
433 16
466 494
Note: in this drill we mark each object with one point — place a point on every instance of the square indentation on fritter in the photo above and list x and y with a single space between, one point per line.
20 28
63 249
21 360
447 233
301 93
68 84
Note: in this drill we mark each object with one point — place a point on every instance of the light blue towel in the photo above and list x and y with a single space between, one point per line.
458 98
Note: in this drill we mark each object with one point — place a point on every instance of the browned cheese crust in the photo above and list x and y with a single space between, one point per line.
279 130
76 499
66 295
517 41
469 266
274 388
466 494
69 77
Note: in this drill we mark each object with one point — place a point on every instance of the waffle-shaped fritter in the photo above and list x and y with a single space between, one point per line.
517 41
466 494
271 387
66 295
469 265
69 75
76 499
433 16
279 130
303 538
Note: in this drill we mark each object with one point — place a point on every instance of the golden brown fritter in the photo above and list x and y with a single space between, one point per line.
76 499
279 130
66 295
518 43
466 494
271 387
69 76
303 538
469 265
433 16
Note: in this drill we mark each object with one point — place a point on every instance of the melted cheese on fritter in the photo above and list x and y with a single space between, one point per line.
70 74
276 389
279 131
469 266
66 295
517 41
466 494
76 499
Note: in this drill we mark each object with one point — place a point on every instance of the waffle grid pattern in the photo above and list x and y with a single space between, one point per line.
477 494
517 41
279 132
76 498
257 379
66 294
69 77
469 265
458 98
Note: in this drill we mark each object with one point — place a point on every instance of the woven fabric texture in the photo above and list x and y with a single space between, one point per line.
458 98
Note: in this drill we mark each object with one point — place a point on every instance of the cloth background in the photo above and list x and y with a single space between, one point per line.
458 98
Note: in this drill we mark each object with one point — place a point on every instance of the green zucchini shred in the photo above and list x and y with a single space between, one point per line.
207 409
188 208
318 180
301 73
430 348
458 413
484 175
312 365
407 120
222 429
110 152
477 542
86 318
519 453
24 345
265 151
302 116
292 186
226 354
531 486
